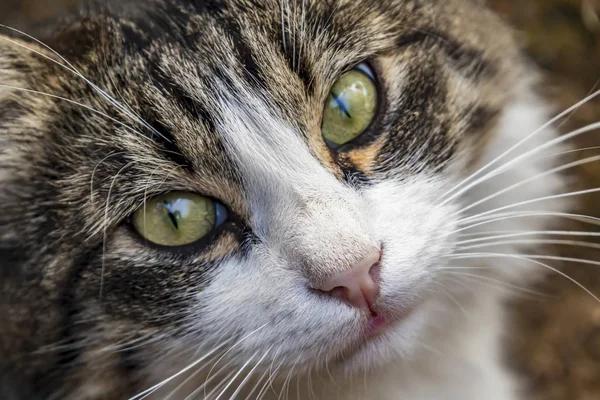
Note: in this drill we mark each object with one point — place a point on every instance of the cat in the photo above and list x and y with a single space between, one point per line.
261 199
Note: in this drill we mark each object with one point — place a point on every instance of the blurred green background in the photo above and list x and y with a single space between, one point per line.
555 340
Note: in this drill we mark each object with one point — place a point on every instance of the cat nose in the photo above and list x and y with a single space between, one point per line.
358 285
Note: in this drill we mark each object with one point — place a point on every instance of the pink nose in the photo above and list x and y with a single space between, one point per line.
357 286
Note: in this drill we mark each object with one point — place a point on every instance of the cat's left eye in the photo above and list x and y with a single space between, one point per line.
178 218
350 106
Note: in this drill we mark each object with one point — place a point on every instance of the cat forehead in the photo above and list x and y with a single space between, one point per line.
313 38
294 50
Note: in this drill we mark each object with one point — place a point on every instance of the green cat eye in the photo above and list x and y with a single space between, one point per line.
350 106
178 218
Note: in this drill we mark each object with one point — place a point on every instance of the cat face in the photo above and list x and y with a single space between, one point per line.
232 113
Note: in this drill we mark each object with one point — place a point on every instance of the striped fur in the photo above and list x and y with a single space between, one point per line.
224 98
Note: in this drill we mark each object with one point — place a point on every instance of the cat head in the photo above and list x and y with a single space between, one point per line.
267 178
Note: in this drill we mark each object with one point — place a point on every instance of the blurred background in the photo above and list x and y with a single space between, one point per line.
554 340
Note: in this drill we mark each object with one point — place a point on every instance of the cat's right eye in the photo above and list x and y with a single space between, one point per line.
178 218
350 106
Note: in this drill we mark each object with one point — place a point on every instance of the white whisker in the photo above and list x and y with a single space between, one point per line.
530 179
453 299
105 227
526 214
191 377
525 258
116 121
69 67
511 149
533 241
266 374
94 173
283 26
516 234
243 367
214 390
531 201
231 348
248 376
491 282
152 389
269 382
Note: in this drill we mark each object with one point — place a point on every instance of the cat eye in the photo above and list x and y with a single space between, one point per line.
350 106
178 218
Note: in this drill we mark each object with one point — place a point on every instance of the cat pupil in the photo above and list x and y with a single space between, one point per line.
341 104
173 219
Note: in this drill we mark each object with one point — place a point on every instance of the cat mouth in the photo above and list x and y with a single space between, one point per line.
374 329
376 325
380 322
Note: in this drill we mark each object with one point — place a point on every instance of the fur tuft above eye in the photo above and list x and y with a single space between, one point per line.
350 106
178 218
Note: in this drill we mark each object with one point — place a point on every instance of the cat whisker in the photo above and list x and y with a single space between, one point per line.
248 376
269 382
302 30
154 388
495 235
256 386
266 374
578 150
217 375
286 383
195 373
298 396
106 224
453 299
329 372
505 167
568 117
449 195
527 259
294 28
89 108
232 348
532 201
235 376
111 154
288 17
62 346
311 393
524 181
574 243
526 214
215 389
69 67
275 375
491 282
283 26
544 257
129 344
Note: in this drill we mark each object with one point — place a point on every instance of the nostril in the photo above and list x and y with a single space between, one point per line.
357 286
339 292
375 272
